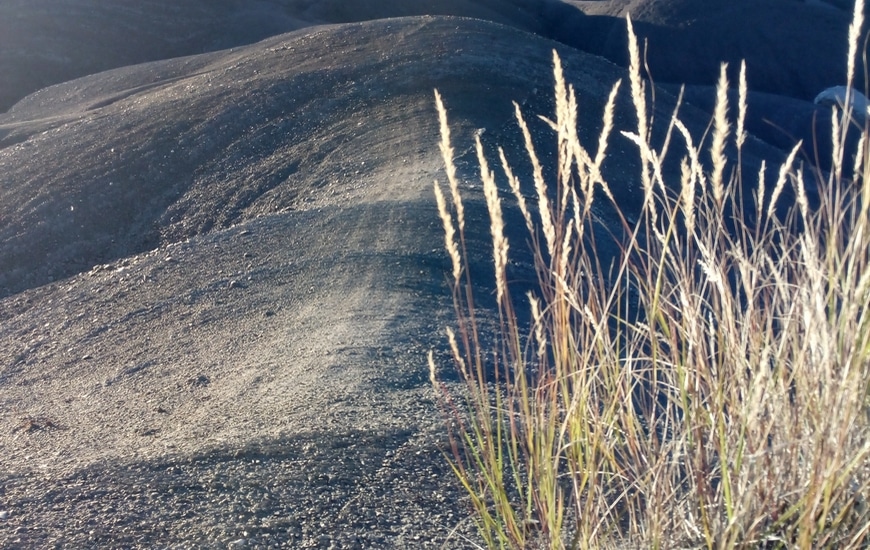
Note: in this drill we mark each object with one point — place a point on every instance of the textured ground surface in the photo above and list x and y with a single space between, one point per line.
220 275
270 278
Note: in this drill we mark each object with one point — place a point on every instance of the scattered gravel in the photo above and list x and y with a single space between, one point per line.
318 490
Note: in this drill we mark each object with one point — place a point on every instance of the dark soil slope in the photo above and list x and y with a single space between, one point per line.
793 47
52 41
222 274
121 162
125 161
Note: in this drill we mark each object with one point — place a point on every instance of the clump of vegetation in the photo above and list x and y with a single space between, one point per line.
710 389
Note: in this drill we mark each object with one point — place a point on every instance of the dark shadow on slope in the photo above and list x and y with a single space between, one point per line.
265 492
790 48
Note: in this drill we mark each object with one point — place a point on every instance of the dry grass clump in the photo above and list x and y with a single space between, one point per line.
708 390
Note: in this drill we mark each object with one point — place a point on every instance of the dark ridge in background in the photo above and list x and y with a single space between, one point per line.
792 47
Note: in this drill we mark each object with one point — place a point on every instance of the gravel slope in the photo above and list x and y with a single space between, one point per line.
248 267
221 275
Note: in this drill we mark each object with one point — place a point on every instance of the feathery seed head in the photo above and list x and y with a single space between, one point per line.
449 165
721 129
493 205
449 234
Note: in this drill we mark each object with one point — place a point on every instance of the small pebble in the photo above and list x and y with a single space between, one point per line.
4 515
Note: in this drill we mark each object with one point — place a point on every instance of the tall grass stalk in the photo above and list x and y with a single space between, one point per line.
710 389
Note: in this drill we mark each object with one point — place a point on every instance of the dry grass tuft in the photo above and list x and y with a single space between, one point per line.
709 390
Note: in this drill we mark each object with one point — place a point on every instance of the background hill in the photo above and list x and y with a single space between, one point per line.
48 42
220 273
52 41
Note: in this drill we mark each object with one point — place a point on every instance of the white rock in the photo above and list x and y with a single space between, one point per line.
4 515
837 96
